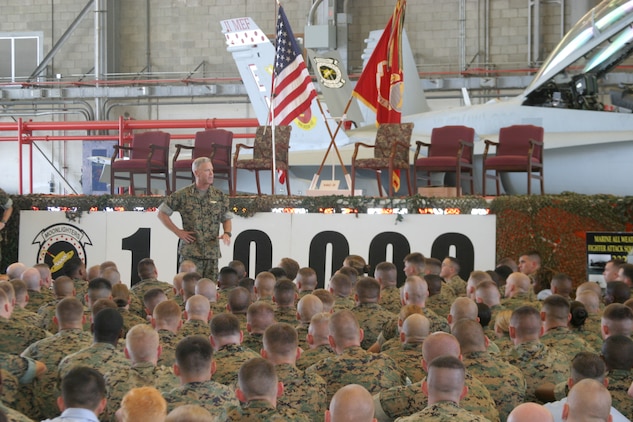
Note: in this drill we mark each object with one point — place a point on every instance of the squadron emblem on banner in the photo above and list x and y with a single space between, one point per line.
330 72
58 243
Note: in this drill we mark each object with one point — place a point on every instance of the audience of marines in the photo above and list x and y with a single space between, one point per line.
517 343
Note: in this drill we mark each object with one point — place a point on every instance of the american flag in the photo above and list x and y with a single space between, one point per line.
293 89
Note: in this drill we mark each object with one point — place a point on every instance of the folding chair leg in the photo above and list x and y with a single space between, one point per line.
498 182
542 183
132 190
409 182
234 182
167 187
228 178
288 182
353 181
148 187
483 184
529 175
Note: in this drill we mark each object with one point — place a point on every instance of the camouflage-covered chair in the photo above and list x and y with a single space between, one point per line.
391 152
148 155
262 154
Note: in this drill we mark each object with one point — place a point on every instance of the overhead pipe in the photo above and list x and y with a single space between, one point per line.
108 107
89 111
25 133
212 123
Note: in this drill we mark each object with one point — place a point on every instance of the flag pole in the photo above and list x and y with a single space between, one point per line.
273 170
333 143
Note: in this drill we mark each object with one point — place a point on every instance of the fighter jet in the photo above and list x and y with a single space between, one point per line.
588 141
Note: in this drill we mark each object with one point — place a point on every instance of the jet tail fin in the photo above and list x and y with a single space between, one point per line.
254 56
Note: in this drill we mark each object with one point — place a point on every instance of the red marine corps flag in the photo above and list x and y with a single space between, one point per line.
381 85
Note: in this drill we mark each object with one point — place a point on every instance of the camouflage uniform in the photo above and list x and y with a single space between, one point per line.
136 306
103 357
195 327
302 333
619 382
341 303
311 356
520 299
443 411
218 308
375 372
593 339
168 341
457 284
446 290
261 411
566 341
593 323
144 374
242 319
37 299
27 317
81 288
46 313
440 304
228 361
51 351
372 318
287 315
253 341
13 415
390 329
504 382
304 392
408 356
214 397
407 400
505 344
539 365
202 213
130 320
390 299
139 289
17 335
16 371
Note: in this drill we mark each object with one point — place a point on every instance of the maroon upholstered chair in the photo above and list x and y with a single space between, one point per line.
391 152
450 151
217 144
520 149
148 154
262 154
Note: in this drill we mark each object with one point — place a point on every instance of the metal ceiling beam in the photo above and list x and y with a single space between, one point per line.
62 40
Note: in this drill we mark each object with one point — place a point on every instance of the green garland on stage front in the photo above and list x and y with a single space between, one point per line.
552 224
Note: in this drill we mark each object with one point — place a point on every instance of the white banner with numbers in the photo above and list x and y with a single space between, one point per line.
320 241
